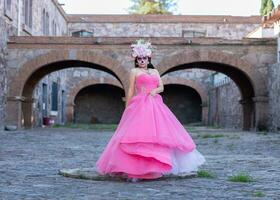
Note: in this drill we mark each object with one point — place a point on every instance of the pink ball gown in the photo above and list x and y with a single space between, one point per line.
149 141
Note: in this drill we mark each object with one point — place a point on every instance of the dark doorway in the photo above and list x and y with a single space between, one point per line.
101 103
184 102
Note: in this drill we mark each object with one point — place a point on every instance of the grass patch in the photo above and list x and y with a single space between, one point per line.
205 174
241 177
235 137
258 194
99 127
262 133
190 129
211 135
214 127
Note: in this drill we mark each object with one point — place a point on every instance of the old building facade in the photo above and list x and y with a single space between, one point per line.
211 73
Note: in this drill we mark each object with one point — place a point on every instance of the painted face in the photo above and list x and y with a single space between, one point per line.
142 61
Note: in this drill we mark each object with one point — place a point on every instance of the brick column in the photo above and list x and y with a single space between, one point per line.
205 111
14 113
261 112
248 114
28 115
70 113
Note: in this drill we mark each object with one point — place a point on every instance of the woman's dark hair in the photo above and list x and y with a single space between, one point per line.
150 65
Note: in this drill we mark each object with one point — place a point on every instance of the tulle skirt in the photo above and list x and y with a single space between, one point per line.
149 142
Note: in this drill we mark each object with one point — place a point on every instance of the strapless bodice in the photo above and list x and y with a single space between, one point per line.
144 83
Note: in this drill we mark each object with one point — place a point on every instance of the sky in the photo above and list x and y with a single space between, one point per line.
185 7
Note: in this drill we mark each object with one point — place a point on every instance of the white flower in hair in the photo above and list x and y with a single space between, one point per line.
141 49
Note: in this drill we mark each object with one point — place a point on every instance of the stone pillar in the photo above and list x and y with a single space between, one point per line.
70 112
28 115
14 111
205 111
261 112
248 114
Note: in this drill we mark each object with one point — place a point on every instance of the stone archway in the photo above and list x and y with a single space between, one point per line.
197 87
19 102
250 82
83 84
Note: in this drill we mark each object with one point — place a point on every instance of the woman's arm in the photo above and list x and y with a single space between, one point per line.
131 86
160 87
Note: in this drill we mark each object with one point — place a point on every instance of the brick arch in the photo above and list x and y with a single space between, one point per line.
202 91
251 83
227 60
19 105
73 92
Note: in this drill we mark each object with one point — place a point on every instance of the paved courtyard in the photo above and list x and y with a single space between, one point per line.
30 161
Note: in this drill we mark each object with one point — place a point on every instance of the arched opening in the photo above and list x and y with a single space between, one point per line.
242 80
21 92
100 103
185 102
28 118
78 86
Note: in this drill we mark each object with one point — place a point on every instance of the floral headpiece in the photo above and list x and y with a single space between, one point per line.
141 49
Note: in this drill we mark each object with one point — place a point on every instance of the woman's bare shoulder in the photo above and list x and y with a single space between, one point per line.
155 71
133 71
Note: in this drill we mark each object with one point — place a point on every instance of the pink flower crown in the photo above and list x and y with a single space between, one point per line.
141 49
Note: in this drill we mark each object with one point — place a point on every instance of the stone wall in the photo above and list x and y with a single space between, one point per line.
3 77
56 15
166 26
224 108
274 97
202 76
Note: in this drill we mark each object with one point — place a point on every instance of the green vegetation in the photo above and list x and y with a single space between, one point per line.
262 132
205 174
234 137
241 177
266 7
99 127
211 135
190 129
258 194
214 126
152 6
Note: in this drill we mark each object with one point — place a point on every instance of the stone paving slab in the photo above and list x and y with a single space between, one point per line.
91 174
31 159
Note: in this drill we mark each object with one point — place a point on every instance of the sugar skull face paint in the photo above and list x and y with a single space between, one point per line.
142 61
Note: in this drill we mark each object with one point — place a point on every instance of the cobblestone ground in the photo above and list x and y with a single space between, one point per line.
30 160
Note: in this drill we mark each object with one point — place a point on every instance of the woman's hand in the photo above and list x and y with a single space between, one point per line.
153 92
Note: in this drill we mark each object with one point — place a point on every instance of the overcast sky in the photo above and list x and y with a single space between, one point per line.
185 7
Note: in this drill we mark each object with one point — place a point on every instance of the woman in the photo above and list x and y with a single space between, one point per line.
149 141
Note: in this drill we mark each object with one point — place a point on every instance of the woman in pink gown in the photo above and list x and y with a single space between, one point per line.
149 141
